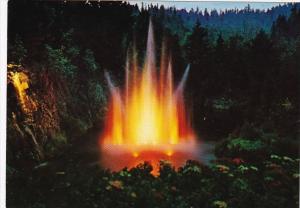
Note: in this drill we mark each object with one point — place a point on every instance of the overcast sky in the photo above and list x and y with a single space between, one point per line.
209 5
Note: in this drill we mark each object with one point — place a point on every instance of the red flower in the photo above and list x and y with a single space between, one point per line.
238 161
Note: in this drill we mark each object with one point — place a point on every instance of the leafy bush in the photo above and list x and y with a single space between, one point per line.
59 62
224 184
55 145
244 148
74 126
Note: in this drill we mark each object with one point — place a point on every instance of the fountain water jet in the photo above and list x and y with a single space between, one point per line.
148 120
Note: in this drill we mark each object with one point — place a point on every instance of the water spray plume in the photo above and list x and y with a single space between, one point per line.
148 115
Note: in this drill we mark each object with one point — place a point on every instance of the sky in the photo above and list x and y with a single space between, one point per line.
218 5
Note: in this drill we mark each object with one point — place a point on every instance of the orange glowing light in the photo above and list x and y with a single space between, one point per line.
135 154
149 114
169 153
20 82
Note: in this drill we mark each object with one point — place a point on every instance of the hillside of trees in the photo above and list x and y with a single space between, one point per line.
243 88
246 22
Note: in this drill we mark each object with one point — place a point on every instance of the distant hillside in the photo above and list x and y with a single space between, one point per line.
246 22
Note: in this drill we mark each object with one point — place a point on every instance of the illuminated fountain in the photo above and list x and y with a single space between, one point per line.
147 121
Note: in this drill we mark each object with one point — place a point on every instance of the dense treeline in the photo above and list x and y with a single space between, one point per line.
229 22
242 87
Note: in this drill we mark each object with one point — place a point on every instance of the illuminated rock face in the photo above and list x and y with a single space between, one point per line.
20 82
149 116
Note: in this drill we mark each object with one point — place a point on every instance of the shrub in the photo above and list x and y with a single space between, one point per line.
250 150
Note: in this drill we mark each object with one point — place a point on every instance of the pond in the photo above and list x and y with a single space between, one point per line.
91 154
117 157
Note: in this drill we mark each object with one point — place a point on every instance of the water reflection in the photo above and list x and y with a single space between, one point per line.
116 159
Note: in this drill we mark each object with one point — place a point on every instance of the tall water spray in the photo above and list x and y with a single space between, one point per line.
149 115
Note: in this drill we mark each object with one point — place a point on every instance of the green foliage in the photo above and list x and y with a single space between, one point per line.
74 127
96 93
222 104
59 62
220 204
56 144
191 168
17 52
248 149
197 45
249 130
241 144
89 61
240 185
166 170
92 187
